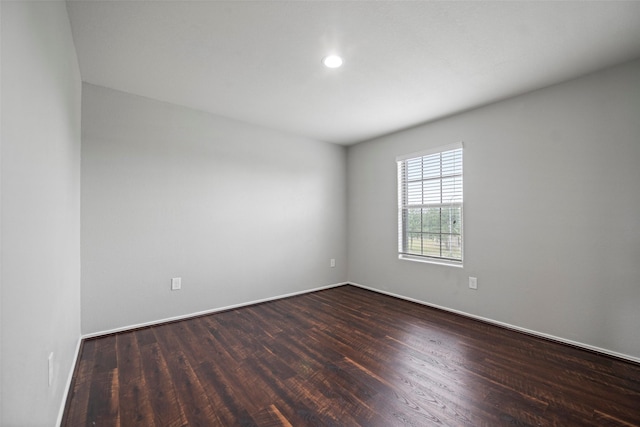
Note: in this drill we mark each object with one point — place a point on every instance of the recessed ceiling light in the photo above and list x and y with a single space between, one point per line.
332 61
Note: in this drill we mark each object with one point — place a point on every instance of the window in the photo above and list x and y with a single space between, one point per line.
430 205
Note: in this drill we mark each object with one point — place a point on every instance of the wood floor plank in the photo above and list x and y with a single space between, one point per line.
345 357
293 399
134 400
272 417
213 366
191 395
78 400
103 408
162 392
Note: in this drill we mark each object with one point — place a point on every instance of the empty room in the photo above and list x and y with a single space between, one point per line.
319 213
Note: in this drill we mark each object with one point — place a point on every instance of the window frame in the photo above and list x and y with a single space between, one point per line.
404 205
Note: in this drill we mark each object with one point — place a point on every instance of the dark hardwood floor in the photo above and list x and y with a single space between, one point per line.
345 357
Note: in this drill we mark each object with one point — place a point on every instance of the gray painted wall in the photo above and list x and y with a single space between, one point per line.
551 222
40 206
241 213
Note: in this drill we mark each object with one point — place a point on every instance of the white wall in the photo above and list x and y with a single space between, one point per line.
239 212
552 195
40 209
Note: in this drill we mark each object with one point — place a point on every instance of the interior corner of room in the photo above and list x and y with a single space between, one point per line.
108 196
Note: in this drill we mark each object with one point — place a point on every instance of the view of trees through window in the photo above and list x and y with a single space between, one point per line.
434 232
430 203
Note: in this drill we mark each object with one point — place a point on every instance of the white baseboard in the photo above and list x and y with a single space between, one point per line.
67 387
205 312
508 326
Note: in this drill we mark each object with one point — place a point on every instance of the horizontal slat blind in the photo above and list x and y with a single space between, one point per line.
430 204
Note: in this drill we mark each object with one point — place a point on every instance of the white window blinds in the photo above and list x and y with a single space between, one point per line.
430 204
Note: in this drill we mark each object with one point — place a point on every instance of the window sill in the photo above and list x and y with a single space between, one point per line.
430 261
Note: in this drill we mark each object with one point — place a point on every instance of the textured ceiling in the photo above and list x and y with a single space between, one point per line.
405 63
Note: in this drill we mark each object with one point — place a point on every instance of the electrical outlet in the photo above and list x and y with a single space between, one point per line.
176 283
473 283
50 366
332 262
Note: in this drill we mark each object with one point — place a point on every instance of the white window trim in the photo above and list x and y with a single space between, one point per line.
418 258
436 261
433 150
